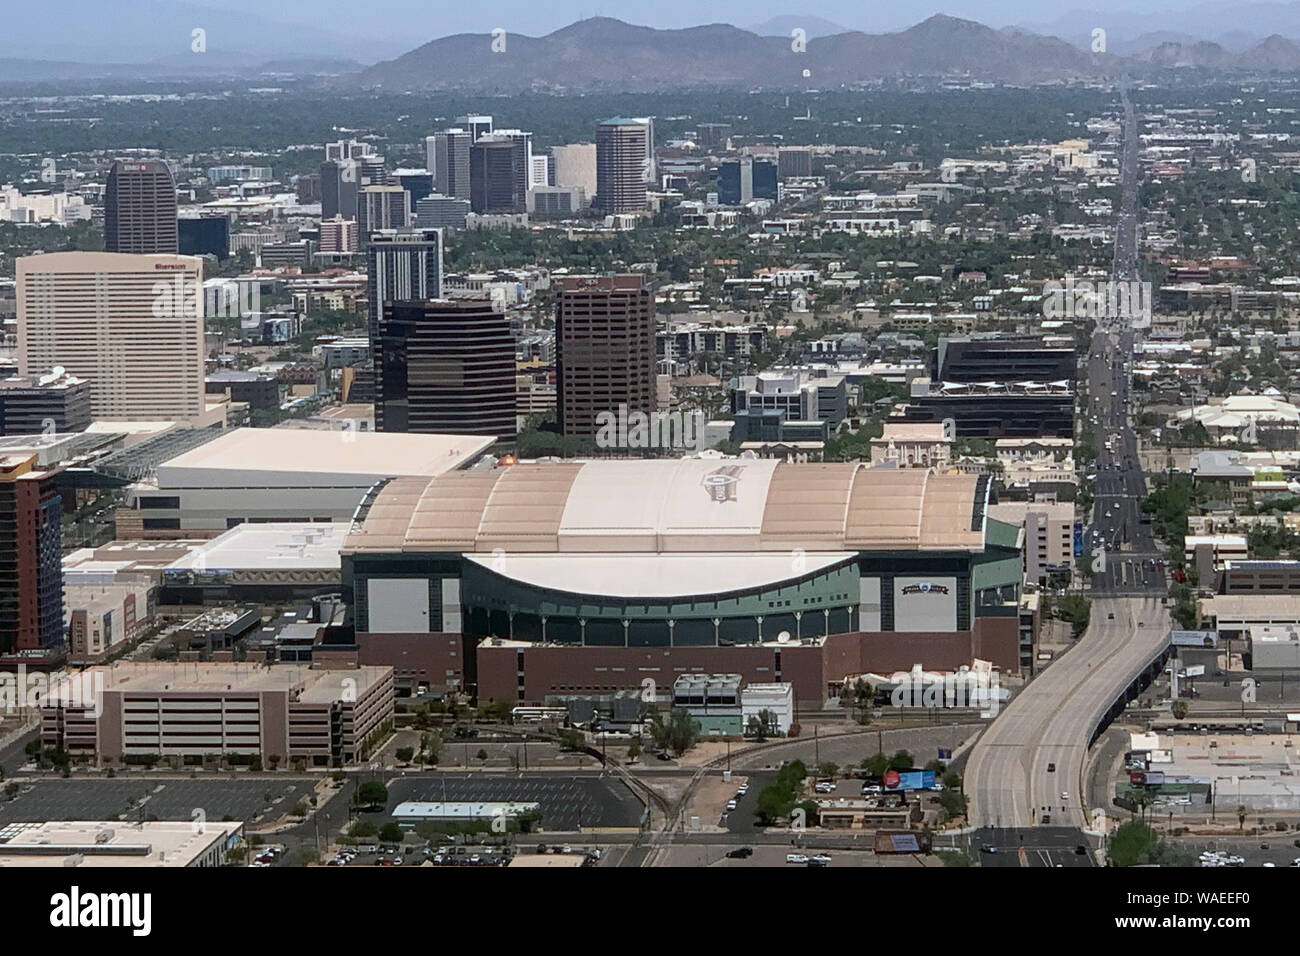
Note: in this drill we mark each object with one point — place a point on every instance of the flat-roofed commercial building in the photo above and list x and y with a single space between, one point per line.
263 475
130 325
102 617
47 404
271 563
1234 616
1049 536
98 843
585 577
322 716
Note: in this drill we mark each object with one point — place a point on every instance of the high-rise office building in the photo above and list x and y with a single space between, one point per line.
445 366
476 126
621 147
605 340
382 207
31 569
417 182
441 212
140 209
131 326
448 158
401 265
340 187
498 174
575 165
744 179
711 135
374 171
205 236
795 161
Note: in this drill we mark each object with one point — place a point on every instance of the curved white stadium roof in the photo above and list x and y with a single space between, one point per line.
674 505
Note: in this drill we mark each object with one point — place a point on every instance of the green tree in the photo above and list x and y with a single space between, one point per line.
876 764
902 760
677 733
390 832
372 793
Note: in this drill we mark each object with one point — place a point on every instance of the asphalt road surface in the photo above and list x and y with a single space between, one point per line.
1027 768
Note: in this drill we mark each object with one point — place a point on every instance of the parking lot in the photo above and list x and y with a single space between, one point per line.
569 802
251 801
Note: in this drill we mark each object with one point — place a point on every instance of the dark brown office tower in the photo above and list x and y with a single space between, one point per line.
31 570
140 209
605 338
498 175
445 366
622 160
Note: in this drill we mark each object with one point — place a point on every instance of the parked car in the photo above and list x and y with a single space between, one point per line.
796 858
740 853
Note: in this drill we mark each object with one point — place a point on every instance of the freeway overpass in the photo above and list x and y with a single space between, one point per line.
1026 770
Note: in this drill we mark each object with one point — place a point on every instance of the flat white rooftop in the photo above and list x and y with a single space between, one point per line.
100 844
307 684
290 452
268 547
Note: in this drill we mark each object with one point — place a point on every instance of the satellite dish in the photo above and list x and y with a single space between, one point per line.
783 637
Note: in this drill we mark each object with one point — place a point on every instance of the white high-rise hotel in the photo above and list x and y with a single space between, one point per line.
131 325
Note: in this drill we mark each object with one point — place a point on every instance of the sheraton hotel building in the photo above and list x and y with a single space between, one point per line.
574 577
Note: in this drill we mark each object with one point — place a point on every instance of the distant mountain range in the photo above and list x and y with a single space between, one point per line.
607 55
610 55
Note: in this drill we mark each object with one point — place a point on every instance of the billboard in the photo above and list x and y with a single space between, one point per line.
1078 539
909 780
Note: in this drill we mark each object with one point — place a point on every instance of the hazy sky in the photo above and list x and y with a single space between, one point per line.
392 19
127 31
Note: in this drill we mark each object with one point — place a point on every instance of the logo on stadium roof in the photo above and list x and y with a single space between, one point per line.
721 483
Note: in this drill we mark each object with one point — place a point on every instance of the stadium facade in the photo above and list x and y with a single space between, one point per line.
592 576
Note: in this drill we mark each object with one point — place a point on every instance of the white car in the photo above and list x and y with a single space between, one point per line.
742 789
1065 796
822 858
825 787
796 858
731 805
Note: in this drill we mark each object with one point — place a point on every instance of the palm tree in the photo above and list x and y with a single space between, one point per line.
1242 810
